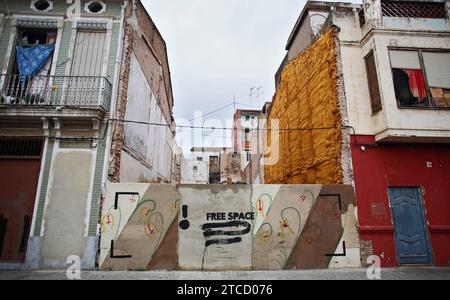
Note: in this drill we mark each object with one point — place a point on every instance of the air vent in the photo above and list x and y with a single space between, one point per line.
42 5
95 7
12 148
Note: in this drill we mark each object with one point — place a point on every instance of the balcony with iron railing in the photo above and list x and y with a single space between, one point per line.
73 92
431 15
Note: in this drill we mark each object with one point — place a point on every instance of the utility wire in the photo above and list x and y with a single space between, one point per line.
198 127
222 108
213 112
225 128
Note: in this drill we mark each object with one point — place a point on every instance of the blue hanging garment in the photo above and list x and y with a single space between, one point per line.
31 60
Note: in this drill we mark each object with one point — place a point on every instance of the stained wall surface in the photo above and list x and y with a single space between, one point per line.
66 212
228 227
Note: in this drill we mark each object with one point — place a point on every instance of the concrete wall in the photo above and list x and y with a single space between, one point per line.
66 210
306 33
222 227
144 94
194 171
147 149
137 226
66 216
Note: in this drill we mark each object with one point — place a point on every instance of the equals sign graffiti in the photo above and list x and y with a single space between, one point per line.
211 230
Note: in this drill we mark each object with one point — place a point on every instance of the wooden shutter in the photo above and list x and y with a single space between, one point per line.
374 88
89 53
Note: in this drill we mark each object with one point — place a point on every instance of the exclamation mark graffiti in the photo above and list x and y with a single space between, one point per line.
184 224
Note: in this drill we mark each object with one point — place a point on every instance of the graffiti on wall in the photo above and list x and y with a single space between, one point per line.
236 227
135 221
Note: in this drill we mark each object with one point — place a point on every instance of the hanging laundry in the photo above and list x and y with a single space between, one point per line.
402 89
31 60
417 84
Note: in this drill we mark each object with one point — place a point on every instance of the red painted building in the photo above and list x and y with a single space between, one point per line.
393 82
379 167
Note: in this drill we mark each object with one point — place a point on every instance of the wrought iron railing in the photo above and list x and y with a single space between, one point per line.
414 9
72 91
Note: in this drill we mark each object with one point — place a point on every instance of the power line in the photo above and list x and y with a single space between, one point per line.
224 128
213 112
199 127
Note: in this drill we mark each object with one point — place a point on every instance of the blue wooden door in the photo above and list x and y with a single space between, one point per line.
411 234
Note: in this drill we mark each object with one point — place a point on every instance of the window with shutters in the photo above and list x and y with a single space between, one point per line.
421 78
374 88
437 68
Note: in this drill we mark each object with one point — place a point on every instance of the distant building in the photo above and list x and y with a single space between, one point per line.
212 157
253 173
244 134
194 171
230 168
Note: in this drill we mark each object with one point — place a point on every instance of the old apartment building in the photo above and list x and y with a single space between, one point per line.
212 165
70 74
367 90
245 125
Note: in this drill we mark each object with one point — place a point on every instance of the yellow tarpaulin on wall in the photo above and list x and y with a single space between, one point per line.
306 102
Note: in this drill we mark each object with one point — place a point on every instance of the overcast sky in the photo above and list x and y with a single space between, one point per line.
218 48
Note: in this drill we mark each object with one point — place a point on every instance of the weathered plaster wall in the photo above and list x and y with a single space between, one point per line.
197 251
150 146
60 7
194 171
133 170
399 33
138 225
433 123
230 168
234 227
308 30
66 212
145 93
307 101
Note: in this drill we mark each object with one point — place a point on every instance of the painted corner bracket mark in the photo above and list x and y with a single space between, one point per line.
343 254
117 256
116 201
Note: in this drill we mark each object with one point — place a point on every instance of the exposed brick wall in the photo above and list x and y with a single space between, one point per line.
366 251
141 38
118 129
153 36
346 155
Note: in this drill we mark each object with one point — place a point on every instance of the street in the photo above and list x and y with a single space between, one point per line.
406 273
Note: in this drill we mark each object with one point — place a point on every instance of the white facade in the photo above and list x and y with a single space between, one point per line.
381 35
247 132
194 171
148 150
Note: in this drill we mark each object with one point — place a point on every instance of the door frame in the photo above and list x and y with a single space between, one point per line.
424 220
26 236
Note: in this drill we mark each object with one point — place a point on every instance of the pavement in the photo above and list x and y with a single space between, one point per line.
405 273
